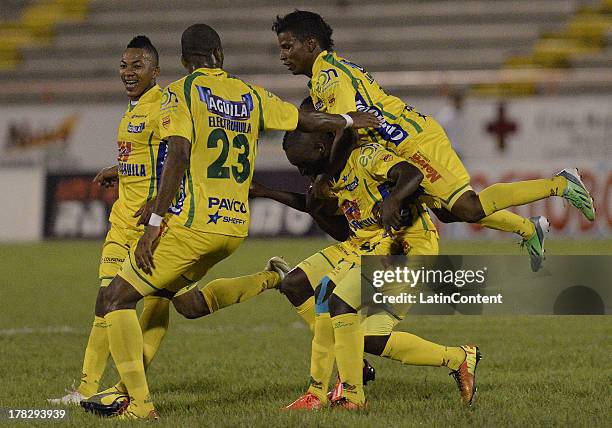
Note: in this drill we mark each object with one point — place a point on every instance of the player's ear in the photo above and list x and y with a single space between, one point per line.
155 72
218 56
311 44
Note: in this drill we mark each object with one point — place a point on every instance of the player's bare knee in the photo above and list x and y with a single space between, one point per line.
468 208
191 305
375 345
120 294
337 306
296 287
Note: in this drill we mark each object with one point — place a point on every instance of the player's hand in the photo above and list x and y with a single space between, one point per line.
107 177
321 187
144 212
363 119
257 190
390 214
144 249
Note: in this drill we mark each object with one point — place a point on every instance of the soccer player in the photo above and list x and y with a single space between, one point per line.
140 158
372 179
337 85
211 121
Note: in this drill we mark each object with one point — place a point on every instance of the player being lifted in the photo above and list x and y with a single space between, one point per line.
338 85
211 121
373 182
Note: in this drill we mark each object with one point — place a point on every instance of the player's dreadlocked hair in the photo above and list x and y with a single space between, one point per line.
143 42
199 40
303 25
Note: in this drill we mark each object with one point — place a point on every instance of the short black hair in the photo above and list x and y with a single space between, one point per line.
143 42
303 25
199 40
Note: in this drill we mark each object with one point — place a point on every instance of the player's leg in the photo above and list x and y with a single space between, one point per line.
300 282
348 337
193 302
322 353
114 251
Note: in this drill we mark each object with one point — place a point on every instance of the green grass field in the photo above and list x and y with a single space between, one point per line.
241 365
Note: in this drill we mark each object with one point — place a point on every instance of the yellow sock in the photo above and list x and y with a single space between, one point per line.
348 348
322 356
509 222
224 292
413 350
307 312
96 356
154 324
125 340
504 195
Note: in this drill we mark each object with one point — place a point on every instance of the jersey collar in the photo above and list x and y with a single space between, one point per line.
146 97
210 71
316 65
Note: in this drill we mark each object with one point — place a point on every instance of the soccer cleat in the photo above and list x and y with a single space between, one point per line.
308 401
128 415
465 376
343 403
106 403
577 193
535 244
72 398
369 375
278 265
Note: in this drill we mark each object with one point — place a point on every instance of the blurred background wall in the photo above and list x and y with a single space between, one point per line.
523 88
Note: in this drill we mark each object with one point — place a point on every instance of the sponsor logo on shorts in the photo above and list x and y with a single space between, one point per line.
430 173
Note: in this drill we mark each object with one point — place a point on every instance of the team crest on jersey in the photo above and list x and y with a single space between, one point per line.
169 99
235 110
124 148
135 129
326 80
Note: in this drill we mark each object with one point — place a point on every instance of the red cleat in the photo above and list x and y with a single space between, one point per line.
308 401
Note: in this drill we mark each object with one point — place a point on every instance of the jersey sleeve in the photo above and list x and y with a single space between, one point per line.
375 161
332 91
175 115
275 114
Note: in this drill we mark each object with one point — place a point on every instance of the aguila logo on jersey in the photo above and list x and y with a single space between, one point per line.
353 215
430 173
236 110
136 129
390 132
124 148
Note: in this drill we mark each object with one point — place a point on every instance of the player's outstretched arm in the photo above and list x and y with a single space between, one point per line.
177 161
335 226
313 121
407 179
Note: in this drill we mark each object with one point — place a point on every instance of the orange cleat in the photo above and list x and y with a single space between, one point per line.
308 401
344 404
465 376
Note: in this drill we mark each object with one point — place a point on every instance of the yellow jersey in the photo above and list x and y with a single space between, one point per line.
340 86
361 187
221 116
141 155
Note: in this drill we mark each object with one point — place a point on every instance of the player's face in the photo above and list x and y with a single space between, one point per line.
310 158
294 54
137 71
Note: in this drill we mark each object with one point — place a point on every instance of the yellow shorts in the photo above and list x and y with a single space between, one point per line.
116 246
445 177
347 279
181 255
323 262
